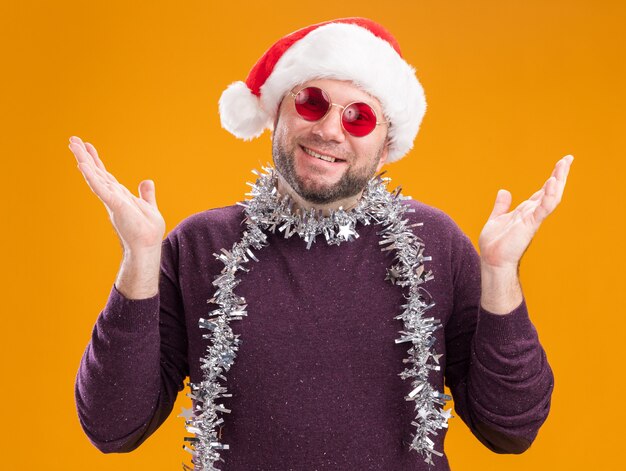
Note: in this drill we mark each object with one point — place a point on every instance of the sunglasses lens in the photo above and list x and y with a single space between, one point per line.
359 119
311 103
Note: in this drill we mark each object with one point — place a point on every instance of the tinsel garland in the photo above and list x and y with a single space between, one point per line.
267 211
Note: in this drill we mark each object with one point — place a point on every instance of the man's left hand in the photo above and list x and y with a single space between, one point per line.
506 236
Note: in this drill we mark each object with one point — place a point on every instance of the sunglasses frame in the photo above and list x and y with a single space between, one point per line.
325 94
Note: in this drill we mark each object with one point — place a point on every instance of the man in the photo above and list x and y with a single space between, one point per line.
318 350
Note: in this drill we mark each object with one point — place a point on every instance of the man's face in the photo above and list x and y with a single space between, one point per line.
357 159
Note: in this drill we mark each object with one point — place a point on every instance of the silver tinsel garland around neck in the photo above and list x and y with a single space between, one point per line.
267 211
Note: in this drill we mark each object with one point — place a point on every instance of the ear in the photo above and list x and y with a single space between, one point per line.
275 120
383 156
278 111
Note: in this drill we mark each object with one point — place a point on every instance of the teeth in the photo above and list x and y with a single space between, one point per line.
318 156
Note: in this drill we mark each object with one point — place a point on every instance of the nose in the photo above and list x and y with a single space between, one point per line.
329 127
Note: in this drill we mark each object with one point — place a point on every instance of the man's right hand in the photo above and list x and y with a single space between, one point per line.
137 221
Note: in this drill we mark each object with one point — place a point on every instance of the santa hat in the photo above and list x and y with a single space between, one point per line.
354 49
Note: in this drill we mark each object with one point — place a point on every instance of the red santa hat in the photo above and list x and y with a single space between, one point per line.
354 49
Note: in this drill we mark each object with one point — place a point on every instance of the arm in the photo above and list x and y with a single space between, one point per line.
496 368
134 365
136 360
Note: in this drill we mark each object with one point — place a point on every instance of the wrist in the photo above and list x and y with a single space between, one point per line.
138 277
508 270
138 253
501 291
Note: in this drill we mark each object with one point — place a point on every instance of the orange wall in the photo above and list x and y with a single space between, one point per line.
511 86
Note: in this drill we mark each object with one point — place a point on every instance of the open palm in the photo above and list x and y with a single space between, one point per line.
506 235
137 220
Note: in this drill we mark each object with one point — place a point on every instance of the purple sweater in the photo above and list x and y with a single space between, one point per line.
315 383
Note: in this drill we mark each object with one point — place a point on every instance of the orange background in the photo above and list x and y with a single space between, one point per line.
511 87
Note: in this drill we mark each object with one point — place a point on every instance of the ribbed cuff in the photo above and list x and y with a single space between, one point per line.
503 329
130 315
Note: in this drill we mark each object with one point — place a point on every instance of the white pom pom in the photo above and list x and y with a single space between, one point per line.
241 112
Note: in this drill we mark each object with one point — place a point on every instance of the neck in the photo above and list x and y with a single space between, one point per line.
304 205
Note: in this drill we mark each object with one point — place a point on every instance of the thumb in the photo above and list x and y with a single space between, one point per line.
147 192
502 204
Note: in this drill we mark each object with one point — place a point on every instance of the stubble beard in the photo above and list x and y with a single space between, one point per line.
352 182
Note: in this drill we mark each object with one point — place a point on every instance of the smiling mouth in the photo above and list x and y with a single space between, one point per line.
319 156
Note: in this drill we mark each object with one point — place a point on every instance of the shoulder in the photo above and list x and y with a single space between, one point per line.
213 226
435 223
454 257
224 216
442 237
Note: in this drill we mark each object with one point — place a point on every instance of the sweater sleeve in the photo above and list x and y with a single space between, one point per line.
134 365
496 368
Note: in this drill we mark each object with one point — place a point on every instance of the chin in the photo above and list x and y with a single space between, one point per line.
320 193
315 187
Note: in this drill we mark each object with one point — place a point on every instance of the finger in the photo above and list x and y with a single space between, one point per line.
529 209
502 204
114 195
563 171
523 210
106 173
549 201
82 155
86 152
78 141
553 189
94 153
99 178
538 194
95 183
103 183
85 162
147 192
560 175
79 153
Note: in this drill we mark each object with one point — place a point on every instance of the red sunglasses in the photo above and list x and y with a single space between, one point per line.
357 119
